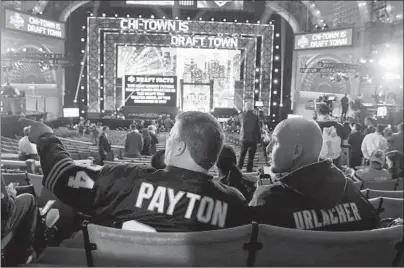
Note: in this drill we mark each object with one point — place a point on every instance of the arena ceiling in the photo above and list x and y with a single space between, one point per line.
293 11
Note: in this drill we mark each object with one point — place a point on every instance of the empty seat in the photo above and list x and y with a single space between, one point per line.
115 247
388 185
21 178
388 207
370 193
292 247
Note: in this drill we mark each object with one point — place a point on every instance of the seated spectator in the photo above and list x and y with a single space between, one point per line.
375 171
395 162
133 143
395 141
18 215
168 123
333 135
229 173
147 142
315 195
387 132
157 160
27 149
154 140
114 195
355 140
374 141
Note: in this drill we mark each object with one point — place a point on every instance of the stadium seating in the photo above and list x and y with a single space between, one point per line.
370 193
388 207
292 248
249 245
114 247
388 185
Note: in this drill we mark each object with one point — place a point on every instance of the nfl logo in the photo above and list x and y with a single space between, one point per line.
221 3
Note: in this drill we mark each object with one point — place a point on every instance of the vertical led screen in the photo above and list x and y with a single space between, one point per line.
193 65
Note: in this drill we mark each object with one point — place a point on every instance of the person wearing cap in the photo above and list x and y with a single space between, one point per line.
334 135
314 195
375 170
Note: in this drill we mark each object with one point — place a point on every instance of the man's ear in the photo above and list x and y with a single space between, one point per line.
179 148
298 151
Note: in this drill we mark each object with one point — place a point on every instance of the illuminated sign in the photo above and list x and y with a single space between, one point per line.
154 25
230 4
149 90
204 41
328 39
151 3
27 23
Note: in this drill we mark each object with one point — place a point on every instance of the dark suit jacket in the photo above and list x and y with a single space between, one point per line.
133 144
250 127
104 146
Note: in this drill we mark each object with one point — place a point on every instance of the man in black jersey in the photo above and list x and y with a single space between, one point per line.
181 197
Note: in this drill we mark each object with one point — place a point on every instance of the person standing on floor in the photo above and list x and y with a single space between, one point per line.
250 135
344 106
104 146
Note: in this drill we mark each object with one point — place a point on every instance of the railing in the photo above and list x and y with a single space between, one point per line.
25 105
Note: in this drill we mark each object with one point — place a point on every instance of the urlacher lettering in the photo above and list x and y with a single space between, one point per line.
342 213
208 210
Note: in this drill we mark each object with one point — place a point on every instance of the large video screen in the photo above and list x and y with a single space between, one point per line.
193 65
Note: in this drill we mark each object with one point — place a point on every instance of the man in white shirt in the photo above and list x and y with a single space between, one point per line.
27 149
374 141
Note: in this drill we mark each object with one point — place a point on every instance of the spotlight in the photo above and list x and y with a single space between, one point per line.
257 80
258 22
277 34
91 14
276 70
224 20
274 104
82 100
116 15
275 92
82 39
82 87
188 18
82 63
281 105
101 99
24 49
104 15
246 21
276 47
103 111
257 70
176 18
275 81
75 101
276 58
212 19
273 115
235 20
164 17
152 16
82 51
200 18
256 91
140 16
83 27
127 16
82 111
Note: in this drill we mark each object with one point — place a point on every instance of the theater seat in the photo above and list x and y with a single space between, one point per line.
293 248
21 178
389 185
67 257
388 207
370 193
116 247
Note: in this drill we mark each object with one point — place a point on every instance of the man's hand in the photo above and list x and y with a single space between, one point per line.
37 129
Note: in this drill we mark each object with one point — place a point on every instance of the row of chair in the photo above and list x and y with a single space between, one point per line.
249 245
387 185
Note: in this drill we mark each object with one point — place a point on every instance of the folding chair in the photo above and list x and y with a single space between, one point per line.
388 207
370 193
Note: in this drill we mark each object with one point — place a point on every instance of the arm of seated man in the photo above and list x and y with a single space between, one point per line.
93 190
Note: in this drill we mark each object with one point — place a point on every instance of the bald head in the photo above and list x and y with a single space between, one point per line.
299 143
249 106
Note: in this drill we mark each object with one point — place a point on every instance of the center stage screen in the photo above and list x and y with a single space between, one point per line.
193 65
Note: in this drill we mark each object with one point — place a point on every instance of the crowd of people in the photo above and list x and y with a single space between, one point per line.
176 193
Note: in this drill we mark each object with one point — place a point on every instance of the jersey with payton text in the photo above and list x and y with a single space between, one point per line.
173 199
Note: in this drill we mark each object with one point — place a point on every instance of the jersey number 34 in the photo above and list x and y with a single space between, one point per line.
81 180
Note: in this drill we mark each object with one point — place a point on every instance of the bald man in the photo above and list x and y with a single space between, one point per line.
250 135
314 195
